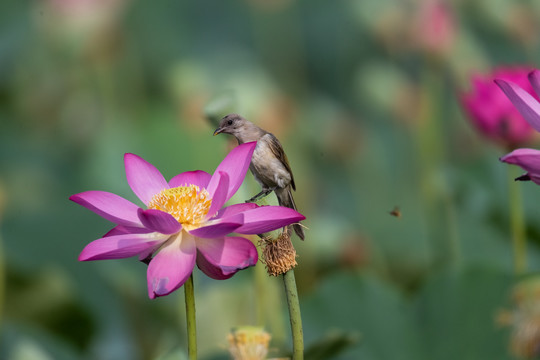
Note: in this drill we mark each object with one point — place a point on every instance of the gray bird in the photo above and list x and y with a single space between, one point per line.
269 164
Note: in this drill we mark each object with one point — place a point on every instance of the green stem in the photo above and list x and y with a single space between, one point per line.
517 222
294 314
2 282
190 318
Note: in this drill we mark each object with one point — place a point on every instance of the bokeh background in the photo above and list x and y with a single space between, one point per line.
408 253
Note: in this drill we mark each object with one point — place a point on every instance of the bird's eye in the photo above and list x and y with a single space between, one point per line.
229 122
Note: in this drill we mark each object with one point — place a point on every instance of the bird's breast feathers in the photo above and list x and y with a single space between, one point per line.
268 170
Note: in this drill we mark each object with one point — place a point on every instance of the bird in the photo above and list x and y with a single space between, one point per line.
269 164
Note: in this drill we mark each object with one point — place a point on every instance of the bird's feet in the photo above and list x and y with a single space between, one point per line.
260 195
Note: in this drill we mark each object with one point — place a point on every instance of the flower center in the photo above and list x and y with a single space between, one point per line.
188 204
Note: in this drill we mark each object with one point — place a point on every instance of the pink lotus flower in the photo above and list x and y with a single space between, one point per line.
184 223
527 159
492 113
529 107
520 95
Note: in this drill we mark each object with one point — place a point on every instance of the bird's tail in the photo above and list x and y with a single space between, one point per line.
285 198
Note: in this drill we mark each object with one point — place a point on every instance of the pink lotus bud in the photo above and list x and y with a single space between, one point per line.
492 113
436 26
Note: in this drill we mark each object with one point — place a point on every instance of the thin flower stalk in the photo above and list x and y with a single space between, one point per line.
279 256
517 223
294 314
189 293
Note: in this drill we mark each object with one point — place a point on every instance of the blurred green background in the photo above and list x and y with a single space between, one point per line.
366 106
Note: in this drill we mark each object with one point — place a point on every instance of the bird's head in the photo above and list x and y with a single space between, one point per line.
232 124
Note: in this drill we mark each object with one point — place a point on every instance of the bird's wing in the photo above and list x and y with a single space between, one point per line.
278 152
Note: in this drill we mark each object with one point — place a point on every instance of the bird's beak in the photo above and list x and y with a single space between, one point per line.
218 131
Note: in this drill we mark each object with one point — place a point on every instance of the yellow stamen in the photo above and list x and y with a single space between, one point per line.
188 204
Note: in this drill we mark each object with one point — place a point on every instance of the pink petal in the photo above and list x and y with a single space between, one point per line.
217 189
535 179
524 102
534 79
527 159
171 266
529 177
236 165
219 227
122 230
120 246
221 258
159 221
109 206
143 178
197 177
268 218
235 209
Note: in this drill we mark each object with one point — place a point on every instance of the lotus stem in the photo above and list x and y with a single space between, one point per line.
517 223
294 315
190 318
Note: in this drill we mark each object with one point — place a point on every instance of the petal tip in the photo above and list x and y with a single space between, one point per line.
251 144
159 287
524 177
128 157
253 260
502 84
508 158
83 257
159 221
